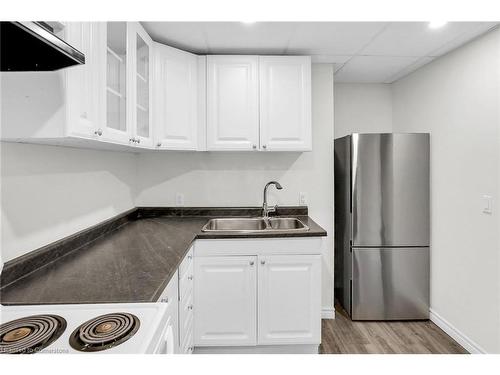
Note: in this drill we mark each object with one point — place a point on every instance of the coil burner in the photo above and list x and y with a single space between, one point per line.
30 334
104 332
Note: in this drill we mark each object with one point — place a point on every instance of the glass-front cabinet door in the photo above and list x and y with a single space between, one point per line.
117 122
141 79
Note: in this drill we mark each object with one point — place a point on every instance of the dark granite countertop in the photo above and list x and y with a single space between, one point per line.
132 263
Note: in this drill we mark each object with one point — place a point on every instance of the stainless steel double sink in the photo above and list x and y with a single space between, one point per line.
255 225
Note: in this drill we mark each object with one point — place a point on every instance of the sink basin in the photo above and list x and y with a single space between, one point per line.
287 223
246 225
235 225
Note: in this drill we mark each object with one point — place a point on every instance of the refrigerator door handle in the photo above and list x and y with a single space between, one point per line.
354 167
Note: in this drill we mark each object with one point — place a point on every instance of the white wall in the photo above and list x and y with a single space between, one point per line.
237 179
456 99
51 192
362 108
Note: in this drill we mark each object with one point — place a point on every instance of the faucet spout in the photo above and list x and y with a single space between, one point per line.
265 207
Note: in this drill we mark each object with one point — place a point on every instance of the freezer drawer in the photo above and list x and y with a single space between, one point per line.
390 283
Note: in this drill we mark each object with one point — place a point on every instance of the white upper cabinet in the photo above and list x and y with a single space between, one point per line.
232 103
175 98
259 103
285 103
127 84
136 93
117 121
54 106
289 299
84 104
141 80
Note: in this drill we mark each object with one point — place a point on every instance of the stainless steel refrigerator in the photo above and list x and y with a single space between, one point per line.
382 226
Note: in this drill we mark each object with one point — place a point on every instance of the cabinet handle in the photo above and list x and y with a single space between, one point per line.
190 257
262 262
190 277
98 132
131 140
138 140
190 307
254 147
158 144
164 300
251 263
264 146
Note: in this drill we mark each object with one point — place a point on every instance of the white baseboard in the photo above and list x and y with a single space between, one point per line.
328 313
454 333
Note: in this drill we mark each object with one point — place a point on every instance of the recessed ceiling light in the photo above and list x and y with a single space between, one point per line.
248 22
436 24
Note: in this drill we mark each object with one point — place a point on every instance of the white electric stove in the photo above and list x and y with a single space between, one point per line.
93 328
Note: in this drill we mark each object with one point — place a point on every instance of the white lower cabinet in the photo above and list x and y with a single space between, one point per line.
186 304
226 301
289 299
257 300
171 329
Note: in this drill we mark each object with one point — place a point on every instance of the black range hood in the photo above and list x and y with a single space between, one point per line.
32 46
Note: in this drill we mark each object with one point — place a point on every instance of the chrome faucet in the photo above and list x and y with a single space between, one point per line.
265 207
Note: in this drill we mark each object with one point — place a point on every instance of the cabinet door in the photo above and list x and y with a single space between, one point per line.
289 299
83 81
175 98
139 80
170 297
285 103
226 297
232 103
116 116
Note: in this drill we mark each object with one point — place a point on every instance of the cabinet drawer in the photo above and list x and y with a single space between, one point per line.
188 344
170 293
186 333
185 314
186 263
186 282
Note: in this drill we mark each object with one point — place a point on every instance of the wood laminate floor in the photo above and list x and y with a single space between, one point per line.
343 336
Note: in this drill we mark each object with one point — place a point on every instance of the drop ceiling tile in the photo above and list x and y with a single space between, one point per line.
410 68
330 59
332 38
382 51
480 28
372 69
184 35
337 67
415 38
255 38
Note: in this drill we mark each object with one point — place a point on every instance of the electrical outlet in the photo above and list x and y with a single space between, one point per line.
179 199
302 199
487 204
